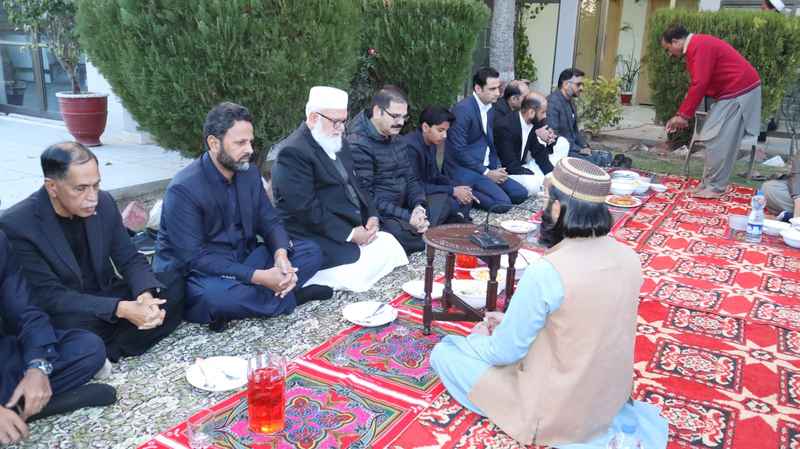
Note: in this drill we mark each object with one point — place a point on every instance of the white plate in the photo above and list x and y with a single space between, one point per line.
416 289
473 292
774 227
518 226
221 373
482 274
624 174
363 313
525 257
611 200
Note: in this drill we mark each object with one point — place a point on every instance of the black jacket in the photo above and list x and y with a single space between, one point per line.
501 109
312 197
508 141
563 118
383 170
51 269
423 159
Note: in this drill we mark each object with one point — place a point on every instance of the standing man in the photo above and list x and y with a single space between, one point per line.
557 367
718 71
71 243
214 210
319 198
513 94
40 364
470 157
383 170
449 203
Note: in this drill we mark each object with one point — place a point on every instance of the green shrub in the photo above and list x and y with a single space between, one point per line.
599 105
170 61
423 46
771 42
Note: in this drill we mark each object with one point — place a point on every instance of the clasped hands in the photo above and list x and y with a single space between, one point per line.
143 312
281 278
463 194
419 219
490 321
546 134
498 175
364 235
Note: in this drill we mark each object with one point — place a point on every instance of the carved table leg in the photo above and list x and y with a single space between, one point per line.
427 313
491 290
511 273
449 271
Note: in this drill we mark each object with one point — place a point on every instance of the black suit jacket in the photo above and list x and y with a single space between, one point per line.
312 198
51 269
508 141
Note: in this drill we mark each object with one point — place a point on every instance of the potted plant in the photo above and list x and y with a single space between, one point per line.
53 22
628 68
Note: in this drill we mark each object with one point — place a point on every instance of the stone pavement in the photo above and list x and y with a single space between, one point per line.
127 170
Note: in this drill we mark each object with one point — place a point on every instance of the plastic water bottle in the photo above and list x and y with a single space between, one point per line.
626 439
755 221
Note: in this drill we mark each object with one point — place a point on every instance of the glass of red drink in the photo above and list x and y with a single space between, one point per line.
466 261
266 400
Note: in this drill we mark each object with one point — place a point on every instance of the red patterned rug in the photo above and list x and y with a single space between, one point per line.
718 350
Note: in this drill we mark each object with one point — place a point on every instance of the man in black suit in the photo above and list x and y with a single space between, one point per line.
71 243
318 197
40 364
214 211
525 144
513 94
434 122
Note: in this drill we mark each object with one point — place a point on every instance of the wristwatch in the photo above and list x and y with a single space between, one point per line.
42 365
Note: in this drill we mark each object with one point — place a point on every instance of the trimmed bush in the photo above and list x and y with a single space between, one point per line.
170 61
598 105
424 47
771 42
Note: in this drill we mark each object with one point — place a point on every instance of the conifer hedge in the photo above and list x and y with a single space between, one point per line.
770 41
170 61
423 46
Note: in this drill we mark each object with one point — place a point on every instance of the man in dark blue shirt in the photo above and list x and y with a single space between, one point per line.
214 210
447 202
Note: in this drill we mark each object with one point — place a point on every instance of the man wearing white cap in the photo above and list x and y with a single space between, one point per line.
772 5
318 198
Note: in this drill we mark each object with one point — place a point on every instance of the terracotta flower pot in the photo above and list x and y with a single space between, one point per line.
85 115
625 98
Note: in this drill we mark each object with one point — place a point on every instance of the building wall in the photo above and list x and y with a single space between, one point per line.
634 14
541 33
120 126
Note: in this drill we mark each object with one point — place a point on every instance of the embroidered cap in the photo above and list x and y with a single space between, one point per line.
581 179
324 97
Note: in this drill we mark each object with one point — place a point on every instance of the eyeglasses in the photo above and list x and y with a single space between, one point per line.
335 123
402 117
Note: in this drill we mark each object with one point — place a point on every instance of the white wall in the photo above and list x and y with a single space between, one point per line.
541 34
630 42
120 127
709 5
566 35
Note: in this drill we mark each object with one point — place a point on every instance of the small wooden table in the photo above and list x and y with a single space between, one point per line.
452 239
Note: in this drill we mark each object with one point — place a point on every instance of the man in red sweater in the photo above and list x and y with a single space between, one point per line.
718 71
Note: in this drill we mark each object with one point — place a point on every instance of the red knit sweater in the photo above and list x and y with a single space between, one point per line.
717 71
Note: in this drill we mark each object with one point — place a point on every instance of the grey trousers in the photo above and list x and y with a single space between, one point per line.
727 123
777 195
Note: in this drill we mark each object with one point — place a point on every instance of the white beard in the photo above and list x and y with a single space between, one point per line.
331 144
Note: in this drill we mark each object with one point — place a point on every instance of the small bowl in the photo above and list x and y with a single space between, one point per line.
737 222
658 188
473 291
623 187
620 175
642 186
795 222
791 237
775 227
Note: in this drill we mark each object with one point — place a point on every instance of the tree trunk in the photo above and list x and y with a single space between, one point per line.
501 40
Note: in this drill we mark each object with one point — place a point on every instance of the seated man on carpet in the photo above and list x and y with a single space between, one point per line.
455 200
526 146
40 365
319 198
513 94
214 210
470 157
783 195
557 368
562 117
383 170
72 244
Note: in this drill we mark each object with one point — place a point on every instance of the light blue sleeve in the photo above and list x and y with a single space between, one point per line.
538 294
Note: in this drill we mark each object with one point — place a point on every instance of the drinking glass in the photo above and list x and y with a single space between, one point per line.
466 261
266 398
198 432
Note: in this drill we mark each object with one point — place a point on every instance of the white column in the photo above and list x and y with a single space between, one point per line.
709 5
565 37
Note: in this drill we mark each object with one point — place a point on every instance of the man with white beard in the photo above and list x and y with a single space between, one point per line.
318 199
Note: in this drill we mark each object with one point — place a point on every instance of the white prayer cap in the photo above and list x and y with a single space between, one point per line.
324 97
777 4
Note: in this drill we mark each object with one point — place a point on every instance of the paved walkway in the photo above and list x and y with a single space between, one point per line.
127 170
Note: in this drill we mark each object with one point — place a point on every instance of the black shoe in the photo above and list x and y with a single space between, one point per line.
218 325
312 293
89 395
